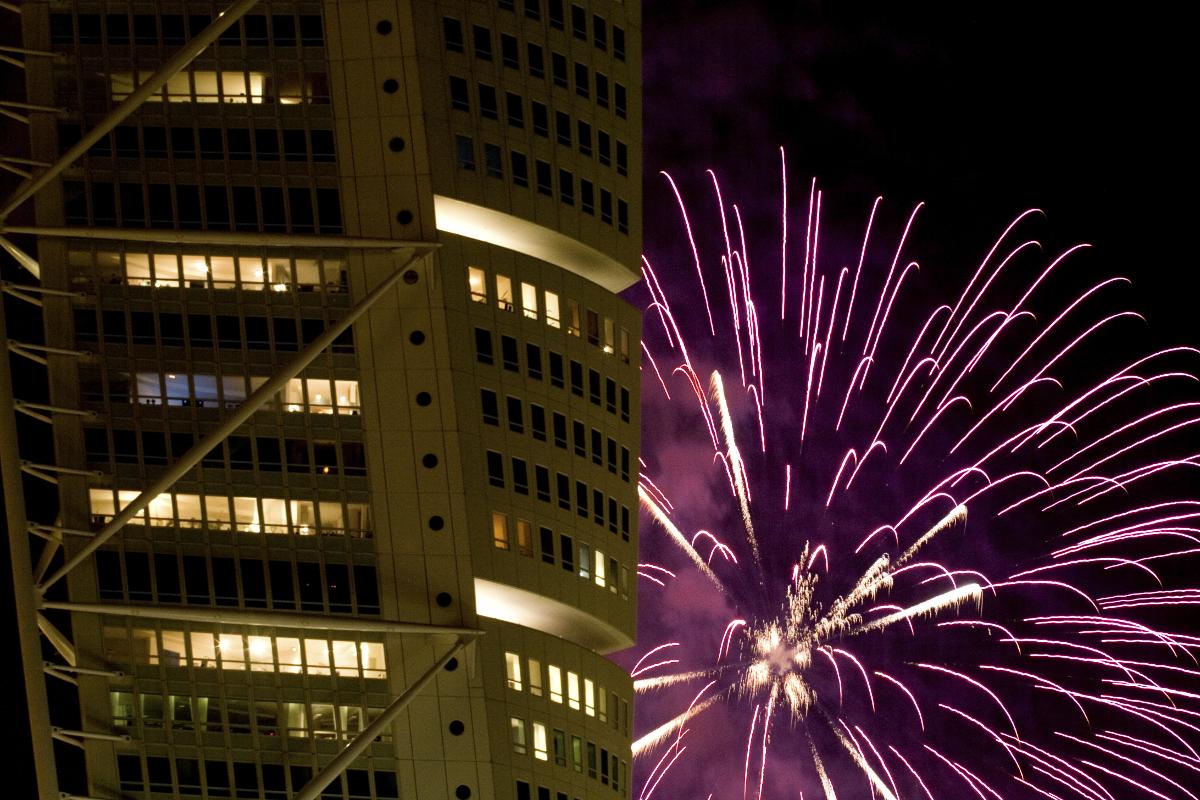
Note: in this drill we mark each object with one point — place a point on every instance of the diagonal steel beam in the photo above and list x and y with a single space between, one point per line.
253 403
312 790
184 56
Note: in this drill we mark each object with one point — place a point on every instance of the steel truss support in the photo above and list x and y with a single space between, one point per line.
33 351
59 733
21 257
312 790
44 471
184 56
253 403
103 673
34 410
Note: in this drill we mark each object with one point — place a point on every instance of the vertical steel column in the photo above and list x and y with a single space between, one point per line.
26 598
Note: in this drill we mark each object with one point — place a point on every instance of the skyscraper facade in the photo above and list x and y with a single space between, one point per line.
389 235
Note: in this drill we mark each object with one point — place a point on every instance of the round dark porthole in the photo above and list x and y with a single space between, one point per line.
424 399
443 599
429 461
391 86
457 728
417 337
436 523
404 217
462 792
452 665
383 27
396 144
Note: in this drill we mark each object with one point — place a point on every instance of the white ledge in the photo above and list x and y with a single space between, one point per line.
531 610
520 235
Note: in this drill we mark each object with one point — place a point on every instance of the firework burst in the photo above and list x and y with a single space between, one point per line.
942 553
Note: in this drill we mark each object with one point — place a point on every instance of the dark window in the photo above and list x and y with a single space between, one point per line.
523 791
619 100
490 405
579 435
556 369
487 101
509 51
493 160
516 110
560 430
597 447
593 337
533 361
508 353
308 576
537 61
563 486
310 29
322 146
582 81
585 138
558 69
566 546
625 523
622 216
542 475
547 537
254 583
453 32
622 158
581 499
544 185
555 12
597 506
625 464
612 526
566 187
283 594
520 475
516 415
587 196
541 118
578 23
459 96
604 145
520 168
606 206
601 90
618 37
610 395
533 9
464 149
562 127
495 468
537 421
599 32
483 346
366 589
624 404
612 455
483 42
576 378
108 574
166 574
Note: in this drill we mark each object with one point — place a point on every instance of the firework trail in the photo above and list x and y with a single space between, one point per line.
946 551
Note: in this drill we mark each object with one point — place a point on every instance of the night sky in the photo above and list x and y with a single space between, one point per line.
979 110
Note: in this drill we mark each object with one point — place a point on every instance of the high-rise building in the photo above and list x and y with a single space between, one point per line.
344 402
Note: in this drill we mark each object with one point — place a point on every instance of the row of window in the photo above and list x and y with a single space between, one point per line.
255 30
615 340
183 712
134 576
593 701
288 83
485 354
262 453
234 651
208 271
465 157
130 328
520 485
515 413
260 144
299 395
238 514
191 777
608 572
610 767
481 38
241 208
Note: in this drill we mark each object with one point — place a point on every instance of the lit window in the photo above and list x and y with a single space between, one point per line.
624 343
540 750
552 318
589 697
573 319
203 86
477 282
518 735
608 336
556 687
524 537
535 677
529 303
573 690
504 293
512 666
602 705
585 561
599 571
500 530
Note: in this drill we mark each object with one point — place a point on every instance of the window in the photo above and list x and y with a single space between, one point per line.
622 216
578 23
556 685
490 405
602 705
487 102
495 468
623 345
500 531
585 560
625 464
556 369
524 538
547 537
593 329
619 100
537 422
606 206
529 300
591 759
518 737
520 475
566 187
560 430
537 61
541 118
483 42
539 742
587 197
573 690
544 184
560 749
542 476
552 310
618 37
512 665
520 168
597 442
509 52
562 127
604 145
464 148
577 753
483 346
573 318
508 353
576 378
599 32
504 293
535 677
533 360
589 697
567 548
601 90
579 434
458 94
555 12
558 69
493 161
516 417
609 335
516 110
601 570
584 131
533 9
582 81
622 158
564 493
477 284
453 33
